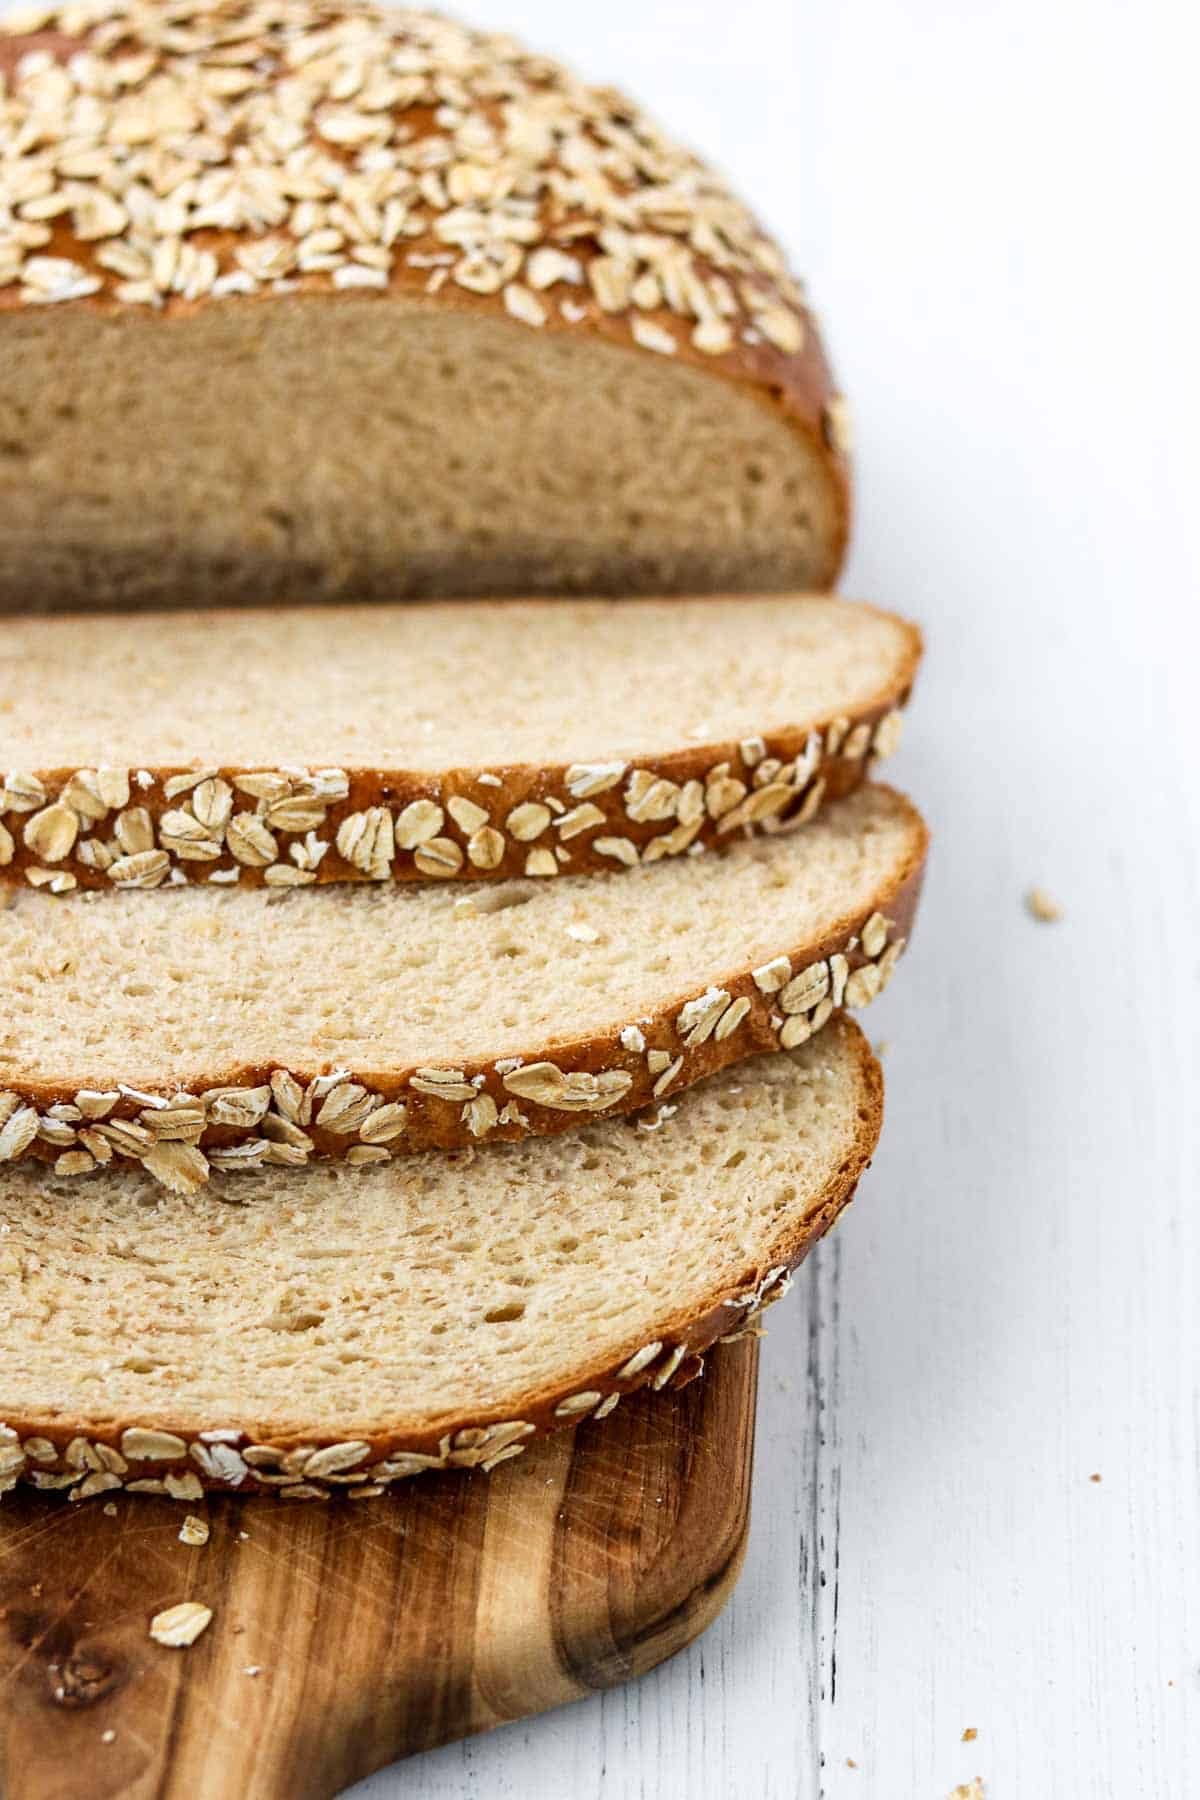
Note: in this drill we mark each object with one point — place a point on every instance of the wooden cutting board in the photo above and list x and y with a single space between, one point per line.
375 1630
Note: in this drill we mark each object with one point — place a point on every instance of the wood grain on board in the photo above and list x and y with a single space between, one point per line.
345 1636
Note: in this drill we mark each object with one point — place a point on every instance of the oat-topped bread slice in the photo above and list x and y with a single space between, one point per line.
401 309
434 741
338 1330
227 1027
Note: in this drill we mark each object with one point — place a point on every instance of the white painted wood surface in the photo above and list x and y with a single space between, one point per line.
995 204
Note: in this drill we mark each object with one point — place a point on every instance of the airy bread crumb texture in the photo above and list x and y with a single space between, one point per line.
482 327
167 990
440 687
430 1295
385 451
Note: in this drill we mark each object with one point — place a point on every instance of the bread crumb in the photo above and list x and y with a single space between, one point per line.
179 1626
969 1735
194 1530
1043 906
110 1509
1094 1478
882 1046
108 1737
850 1763
253 1669
969 1790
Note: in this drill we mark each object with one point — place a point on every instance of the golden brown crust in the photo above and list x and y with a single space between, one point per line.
259 1113
67 828
87 1458
711 261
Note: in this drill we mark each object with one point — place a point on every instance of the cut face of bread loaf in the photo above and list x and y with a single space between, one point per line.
440 741
218 1027
403 310
331 1331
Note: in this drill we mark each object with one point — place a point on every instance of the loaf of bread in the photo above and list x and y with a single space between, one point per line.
232 1028
433 741
341 1329
308 298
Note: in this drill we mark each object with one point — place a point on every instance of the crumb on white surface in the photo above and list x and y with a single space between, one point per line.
1043 906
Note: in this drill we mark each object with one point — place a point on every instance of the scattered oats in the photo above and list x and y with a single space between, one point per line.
580 818
541 863
585 780
180 1625
547 266
384 1124
667 1077
782 328
731 1018
663 1375
74 1162
633 1038
485 848
577 1404
439 858
621 849
109 1736
357 275
469 817
641 1359
771 976
863 985
142 1445
528 820
181 1168
418 823
480 1115
288 875
874 935
652 337
51 833
713 336
698 1019
521 304
888 732
835 419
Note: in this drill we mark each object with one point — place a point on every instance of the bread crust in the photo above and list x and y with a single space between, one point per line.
482 823
89 1458
774 353
260 1112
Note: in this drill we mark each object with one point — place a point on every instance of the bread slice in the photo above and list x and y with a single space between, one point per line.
402 309
431 742
334 1332
214 1026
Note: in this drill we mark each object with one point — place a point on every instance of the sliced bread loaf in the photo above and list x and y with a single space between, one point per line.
335 1332
402 309
218 1026
430 742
